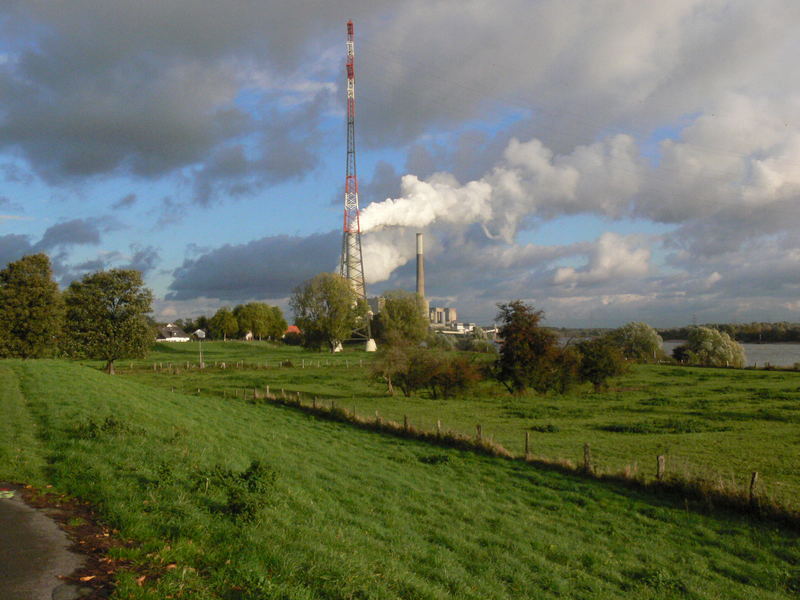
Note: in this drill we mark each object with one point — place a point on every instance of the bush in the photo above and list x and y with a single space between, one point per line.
637 341
292 339
443 376
713 348
600 360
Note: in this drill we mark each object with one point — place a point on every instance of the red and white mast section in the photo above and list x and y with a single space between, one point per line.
351 266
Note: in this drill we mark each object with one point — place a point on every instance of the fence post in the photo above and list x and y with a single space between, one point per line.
378 418
587 458
314 403
527 445
661 461
753 483
438 428
479 434
405 422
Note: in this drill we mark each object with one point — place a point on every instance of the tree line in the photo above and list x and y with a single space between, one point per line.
102 316
751 333
263 321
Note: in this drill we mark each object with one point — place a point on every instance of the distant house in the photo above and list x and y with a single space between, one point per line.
291 329
171 333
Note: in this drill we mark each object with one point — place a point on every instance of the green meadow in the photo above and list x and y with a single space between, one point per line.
719 425
253 501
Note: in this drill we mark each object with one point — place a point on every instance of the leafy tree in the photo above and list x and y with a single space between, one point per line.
31 308
326 310
223 324
713 348
528 352
277 324
638 341
262 320
600 359
401 318
389 364
107 316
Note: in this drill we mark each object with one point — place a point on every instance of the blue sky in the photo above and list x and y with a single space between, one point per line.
606 161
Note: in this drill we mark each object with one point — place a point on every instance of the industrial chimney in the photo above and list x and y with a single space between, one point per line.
421 274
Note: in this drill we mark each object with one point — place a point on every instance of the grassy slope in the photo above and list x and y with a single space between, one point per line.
714 423
358 515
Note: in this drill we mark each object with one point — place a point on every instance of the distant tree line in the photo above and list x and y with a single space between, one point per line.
263 321
102 316
750 333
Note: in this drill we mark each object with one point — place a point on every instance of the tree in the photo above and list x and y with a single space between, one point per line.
401 318
31 308
262 320
107 316
600 359
712 348
223 324
326 310
528 352
638 341
277 324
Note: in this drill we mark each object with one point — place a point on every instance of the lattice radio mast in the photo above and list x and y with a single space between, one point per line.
351 266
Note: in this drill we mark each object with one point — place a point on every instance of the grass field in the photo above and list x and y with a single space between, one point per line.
334 512
716 424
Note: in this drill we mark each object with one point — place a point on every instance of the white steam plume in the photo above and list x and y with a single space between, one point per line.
530 180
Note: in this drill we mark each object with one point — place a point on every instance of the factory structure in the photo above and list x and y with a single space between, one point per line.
440 318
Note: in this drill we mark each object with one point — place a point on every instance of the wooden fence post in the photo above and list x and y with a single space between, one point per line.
438 428
478 432
753 483
405 422
587 458
378 418
661 463
527 445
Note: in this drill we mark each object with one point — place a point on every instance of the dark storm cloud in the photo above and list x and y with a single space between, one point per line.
267 268
96 88
13 247
143 259
76 232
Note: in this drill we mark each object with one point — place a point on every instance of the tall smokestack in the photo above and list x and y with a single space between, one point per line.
421 274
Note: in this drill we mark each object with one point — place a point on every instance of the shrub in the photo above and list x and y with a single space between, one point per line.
637 341
600 360
713 348
292 339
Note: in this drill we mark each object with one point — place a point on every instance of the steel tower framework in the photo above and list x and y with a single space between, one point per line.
351 266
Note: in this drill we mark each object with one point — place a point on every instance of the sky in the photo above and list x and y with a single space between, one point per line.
606 161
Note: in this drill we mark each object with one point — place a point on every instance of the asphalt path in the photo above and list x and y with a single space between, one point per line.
33 553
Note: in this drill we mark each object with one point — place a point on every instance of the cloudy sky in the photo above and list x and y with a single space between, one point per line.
605 160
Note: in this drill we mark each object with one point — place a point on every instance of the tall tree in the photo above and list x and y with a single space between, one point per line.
637 341
31 308
223 324
326 310
600 359
107 316
401 319
528 352
712 348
